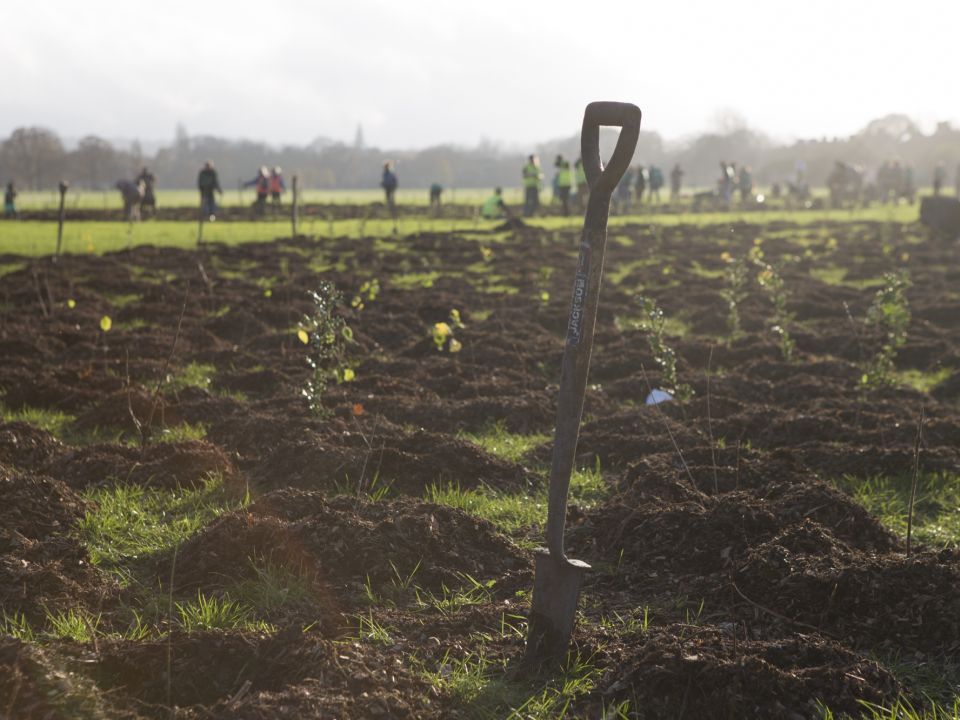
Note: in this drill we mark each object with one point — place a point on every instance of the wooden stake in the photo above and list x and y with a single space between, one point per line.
63 214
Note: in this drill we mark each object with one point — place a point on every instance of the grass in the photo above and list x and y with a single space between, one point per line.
901 710
516 512
196 375
483 690
936 511
131 521
273 588
499 441
33 238
923 381
214 613
471 592
59 424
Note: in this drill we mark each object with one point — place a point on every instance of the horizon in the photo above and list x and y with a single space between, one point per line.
444 75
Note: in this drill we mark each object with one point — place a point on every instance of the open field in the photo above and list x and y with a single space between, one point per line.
39 237
182 536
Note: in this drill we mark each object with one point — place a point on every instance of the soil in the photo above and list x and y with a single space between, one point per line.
768 588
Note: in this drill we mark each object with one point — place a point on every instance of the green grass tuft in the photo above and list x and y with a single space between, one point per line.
936 519
131 521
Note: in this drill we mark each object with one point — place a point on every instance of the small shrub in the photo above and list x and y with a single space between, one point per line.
652 324
443 333
737 276
889 314
327 336
771 281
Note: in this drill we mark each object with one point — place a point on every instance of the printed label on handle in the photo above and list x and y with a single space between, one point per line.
580 284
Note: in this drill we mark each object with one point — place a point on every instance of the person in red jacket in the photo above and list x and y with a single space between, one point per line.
277 186
261 183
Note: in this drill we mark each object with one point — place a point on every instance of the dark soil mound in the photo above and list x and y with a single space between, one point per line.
163 465
690 672
24 446
408 463
41 566
343 543
890 601
289 674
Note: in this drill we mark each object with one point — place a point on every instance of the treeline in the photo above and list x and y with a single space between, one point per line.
36 158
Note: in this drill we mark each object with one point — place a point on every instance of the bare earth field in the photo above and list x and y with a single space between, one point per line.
182 536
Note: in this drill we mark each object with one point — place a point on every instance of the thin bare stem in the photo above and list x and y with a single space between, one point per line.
163 373
713 450
916 479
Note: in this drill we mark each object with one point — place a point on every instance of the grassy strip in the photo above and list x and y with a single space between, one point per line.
132 521
936 512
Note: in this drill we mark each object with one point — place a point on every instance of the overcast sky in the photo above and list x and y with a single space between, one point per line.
420 72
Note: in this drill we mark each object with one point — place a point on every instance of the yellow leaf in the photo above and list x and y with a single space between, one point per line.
268 292
455 346
302 334
348 375
106 323
71 303
441 329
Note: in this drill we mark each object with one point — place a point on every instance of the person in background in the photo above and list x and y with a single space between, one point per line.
641 184
10 201
261 183
676 178
132 194
277 187
388 182
436 191
563 181
583 187
624 193
532 178
725 183
208 183
494 207
745 183
656 182
939 177
149 201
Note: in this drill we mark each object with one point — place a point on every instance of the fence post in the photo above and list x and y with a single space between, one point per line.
63 214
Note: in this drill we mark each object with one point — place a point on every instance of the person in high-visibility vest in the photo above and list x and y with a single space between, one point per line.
564 180
494 206
583 187
277 186
531 185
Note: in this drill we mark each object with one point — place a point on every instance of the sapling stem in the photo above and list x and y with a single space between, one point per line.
713 449
163 376
915 481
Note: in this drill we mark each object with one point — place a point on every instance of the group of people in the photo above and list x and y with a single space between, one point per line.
570 185
269 185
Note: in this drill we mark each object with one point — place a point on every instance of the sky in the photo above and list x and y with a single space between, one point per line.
415 73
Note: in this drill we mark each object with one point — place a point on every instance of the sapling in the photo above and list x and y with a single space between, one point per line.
368 293
889 314
770 279
326 335
443 333
737 276
652 323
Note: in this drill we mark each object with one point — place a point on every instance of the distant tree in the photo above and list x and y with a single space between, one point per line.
95 164
34 157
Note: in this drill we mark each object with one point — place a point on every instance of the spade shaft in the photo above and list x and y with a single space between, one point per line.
556 587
